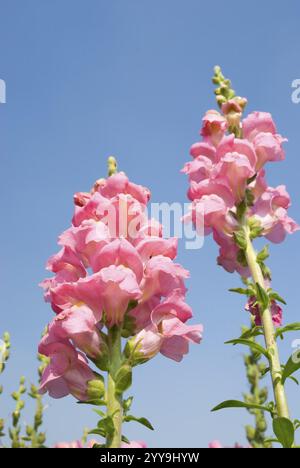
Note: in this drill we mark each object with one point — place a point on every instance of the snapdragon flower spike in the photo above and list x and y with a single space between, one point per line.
114 269
225 168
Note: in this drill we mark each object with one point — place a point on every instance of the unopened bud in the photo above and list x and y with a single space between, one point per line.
96 388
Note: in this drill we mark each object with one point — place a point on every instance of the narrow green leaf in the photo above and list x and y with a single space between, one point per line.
92 402
289 328
262 297
245 292
263 255
142 421
253 333
252 344
274 296
284 430
127 404
291 366
97 431
239 404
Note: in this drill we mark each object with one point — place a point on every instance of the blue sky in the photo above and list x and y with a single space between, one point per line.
132 78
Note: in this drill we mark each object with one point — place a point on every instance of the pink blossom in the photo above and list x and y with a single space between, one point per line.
119 183
214 126
215 444
211 212
162 276
258 122
119 252
199 169
78 324
67 373
212 186
228 255
276 312
271 211
151 246
109 290
268 148
203 148
86 240
114 268
236 169
167 333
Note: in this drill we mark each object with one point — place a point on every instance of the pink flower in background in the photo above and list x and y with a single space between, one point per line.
224 167
276 311
215 444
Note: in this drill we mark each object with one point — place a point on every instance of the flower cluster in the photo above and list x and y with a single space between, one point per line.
114 269
228 186
225 170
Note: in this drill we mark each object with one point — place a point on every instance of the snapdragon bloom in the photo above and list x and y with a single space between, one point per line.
228 167
114 269
223 168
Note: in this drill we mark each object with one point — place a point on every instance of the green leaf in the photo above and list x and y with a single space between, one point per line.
274 296
92 402
240 239
123 379
253 333
284 430
252 344
107 425
99 412
97 431
142 421
289 328
239 404
127 404
294 380
291 366
242 291
263 255
241 210
262 297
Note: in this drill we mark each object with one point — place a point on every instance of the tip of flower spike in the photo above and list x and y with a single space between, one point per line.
112 166
224 91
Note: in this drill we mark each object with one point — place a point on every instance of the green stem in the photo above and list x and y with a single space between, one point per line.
114 401
269 332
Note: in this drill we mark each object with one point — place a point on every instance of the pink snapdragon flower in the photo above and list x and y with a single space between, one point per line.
114 269
226 168
80 324
276 312
67 373
167 331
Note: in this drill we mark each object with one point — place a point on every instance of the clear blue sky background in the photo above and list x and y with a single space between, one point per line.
86 79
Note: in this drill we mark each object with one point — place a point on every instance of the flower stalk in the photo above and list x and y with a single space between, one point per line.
269 331
114 399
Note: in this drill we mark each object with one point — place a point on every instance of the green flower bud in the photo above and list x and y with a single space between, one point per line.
96 388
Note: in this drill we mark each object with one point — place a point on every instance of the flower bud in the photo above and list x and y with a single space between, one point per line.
96 388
